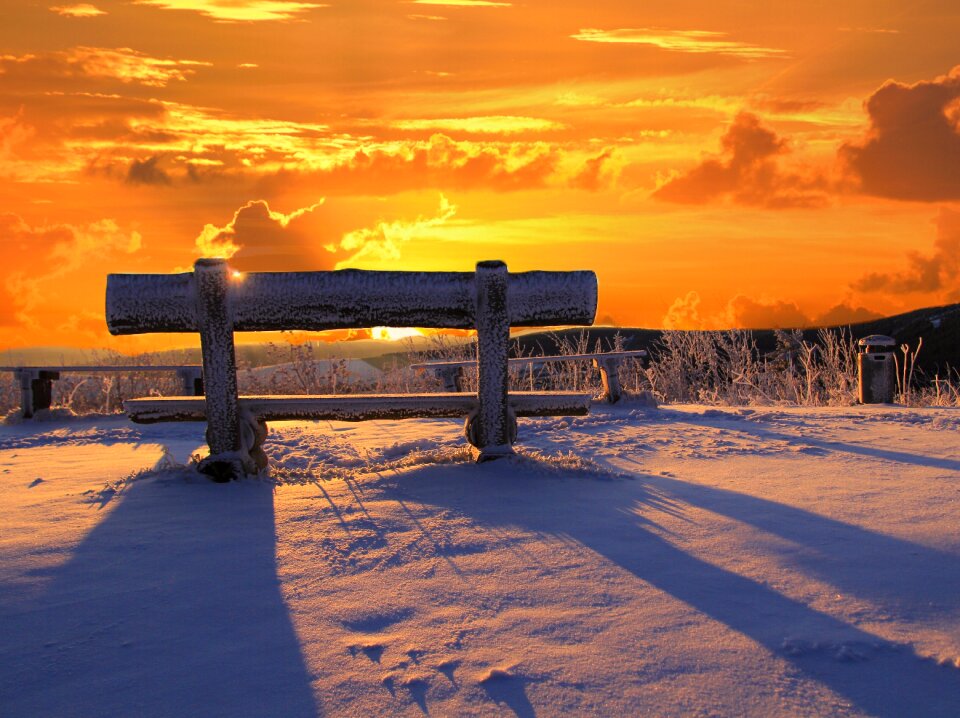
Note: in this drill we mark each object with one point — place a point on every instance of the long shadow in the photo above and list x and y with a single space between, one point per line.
858 561
170 606
880 677
759 430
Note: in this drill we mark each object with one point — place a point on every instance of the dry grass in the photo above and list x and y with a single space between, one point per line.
708 367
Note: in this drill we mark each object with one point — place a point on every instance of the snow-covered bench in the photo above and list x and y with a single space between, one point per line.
215 302
451 372
36 383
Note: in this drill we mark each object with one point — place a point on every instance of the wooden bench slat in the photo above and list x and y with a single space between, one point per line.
316 301
357 407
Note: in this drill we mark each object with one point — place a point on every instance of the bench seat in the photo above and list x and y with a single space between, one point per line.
358 407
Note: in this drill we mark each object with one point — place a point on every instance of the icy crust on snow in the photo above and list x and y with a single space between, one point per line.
616 567
347 298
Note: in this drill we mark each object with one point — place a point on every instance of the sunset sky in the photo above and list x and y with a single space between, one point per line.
718 164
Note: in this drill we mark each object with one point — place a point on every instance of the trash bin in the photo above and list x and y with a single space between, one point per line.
877 369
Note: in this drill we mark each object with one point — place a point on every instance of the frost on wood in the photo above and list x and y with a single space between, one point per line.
491 431
347 299
357 407
219 360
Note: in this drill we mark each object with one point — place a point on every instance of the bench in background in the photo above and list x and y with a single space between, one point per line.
451 373
36 383
215 302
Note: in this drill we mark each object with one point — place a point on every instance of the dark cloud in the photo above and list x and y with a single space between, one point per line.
747 172
912 150
845 313
746 313
147 172
938 272
260 239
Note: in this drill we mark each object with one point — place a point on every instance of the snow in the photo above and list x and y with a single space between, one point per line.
675 561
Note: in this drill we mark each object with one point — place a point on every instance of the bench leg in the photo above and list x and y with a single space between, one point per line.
228 458
493 432
610 376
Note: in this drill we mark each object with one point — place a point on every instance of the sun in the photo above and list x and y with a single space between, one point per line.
392 334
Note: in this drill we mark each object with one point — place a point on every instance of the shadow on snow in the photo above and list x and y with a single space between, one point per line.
170 606
880 677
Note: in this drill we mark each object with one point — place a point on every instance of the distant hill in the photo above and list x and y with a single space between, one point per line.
938 326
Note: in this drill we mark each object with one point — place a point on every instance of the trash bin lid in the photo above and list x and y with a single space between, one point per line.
877 340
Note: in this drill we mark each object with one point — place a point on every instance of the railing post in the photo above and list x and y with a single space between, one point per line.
610 376
212 280
36 390
191 380
494 427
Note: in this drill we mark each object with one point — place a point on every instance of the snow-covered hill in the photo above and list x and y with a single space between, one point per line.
672 561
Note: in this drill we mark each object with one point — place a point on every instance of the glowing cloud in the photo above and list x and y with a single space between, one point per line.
262 234
748 174
240 10
80 10
495 124
463 3
383 240
692 41
912 150
122 63
935 273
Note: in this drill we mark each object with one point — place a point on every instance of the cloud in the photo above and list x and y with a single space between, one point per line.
258 238
440 162
79 10
122 63
240 10
41 255
743 312
689 41
747 173
595 173
494 124
463 3
936 273
912 149
383 240
147 172
845 313
684 313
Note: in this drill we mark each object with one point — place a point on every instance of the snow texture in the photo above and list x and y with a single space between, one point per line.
633 562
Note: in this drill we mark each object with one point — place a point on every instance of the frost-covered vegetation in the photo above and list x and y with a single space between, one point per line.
707 367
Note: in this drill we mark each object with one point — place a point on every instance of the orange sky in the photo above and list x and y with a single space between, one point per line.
717 163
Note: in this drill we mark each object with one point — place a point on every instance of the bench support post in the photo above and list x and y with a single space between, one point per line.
494 429
36 390
228 458
610 377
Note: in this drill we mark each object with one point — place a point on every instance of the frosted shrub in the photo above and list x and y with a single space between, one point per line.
725 367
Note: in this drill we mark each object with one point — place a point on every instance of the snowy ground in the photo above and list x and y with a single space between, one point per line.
673 561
